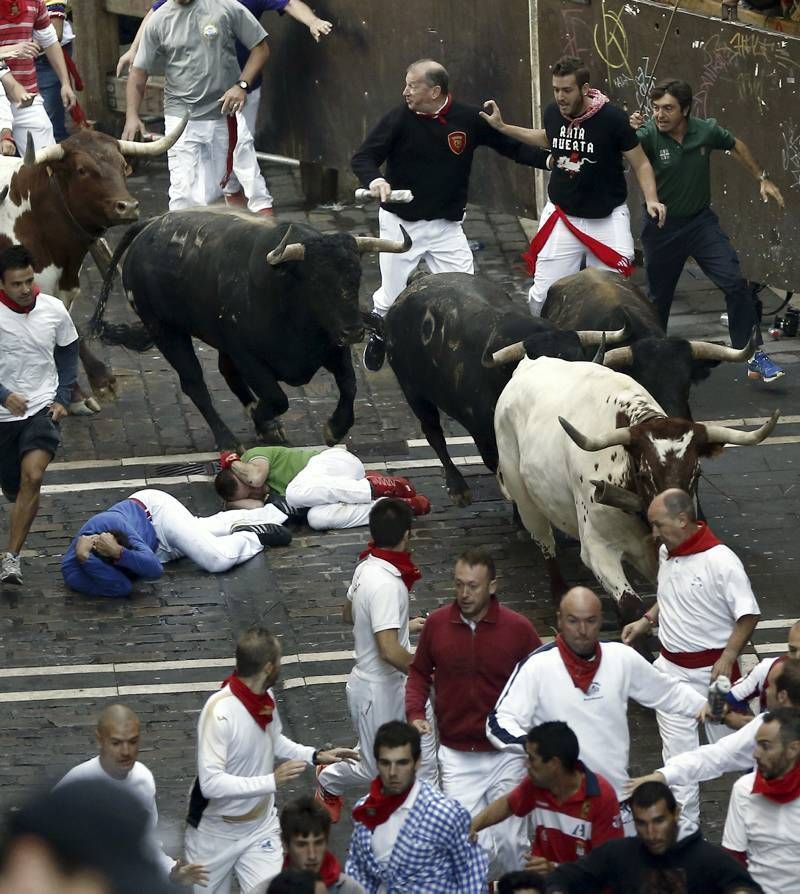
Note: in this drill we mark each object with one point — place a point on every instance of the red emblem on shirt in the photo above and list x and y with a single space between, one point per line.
457 141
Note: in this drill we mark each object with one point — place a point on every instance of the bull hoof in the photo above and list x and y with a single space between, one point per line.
104 387
461 498
630 608
86 407
273 433
327 433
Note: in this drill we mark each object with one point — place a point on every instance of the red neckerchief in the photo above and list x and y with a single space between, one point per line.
260 707
605 253
401 561
781 790
596 101
378 807
580 669
12 305
699 542
11 10
440 115
329 872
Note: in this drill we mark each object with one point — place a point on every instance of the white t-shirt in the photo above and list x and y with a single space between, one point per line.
27 342
700 598
770 834
384 836
140 783
380 602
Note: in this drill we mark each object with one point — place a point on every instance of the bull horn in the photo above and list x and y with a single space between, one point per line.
591 337
510 354
606 494
374 243
3 194
156 147
619 437
720 434
46 155
600 354
618 358
286 251
29 158
707 350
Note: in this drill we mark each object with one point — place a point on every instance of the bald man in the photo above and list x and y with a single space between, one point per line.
706 613
117 735
587 683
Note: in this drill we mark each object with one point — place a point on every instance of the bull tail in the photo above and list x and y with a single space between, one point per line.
133 336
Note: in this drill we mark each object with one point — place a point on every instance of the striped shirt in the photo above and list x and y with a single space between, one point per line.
33 15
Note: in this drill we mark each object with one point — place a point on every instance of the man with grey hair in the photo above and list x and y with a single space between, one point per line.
706 612
427 145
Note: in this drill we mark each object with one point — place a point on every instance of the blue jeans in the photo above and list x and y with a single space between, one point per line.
50 90
666 250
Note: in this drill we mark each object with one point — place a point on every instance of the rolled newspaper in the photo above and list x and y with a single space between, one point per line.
401 196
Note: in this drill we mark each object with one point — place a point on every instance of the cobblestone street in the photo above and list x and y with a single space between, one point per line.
64 656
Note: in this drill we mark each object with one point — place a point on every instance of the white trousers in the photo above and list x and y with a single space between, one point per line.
333 489
440 243
251 850
563 254
198 160
680 734
247 174
206 541
373 702
33 121
475 779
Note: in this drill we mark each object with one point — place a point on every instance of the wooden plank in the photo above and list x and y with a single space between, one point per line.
138 8
97 51
152 103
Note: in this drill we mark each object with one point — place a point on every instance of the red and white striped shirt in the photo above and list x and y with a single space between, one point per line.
32 15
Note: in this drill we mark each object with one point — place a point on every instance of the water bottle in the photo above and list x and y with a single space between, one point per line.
717 698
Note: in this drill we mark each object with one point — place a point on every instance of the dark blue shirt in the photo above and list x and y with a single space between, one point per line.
100 578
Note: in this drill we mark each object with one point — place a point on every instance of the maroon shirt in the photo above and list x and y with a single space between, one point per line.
469 670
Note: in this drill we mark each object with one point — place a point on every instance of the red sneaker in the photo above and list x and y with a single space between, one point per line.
332 803
419 505
389 486
266 212
236 199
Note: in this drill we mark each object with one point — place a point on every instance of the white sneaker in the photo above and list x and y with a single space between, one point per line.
11 570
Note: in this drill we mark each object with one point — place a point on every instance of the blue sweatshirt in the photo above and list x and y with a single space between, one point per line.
101 578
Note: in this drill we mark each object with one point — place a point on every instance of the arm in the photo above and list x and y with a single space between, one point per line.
94 576
347 612
524 154
418 685
741 633
66 360
391 651
253 473
742 154
356 865
305 15
651 688
126 59
235 96
139 559
495 813
15 93
647 182
468 860
513 715
55 56
372 153
607 821
593 872
530 136
134 93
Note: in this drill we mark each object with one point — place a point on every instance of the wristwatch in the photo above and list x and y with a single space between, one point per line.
243 84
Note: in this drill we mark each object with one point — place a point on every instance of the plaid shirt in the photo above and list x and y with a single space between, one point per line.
432 854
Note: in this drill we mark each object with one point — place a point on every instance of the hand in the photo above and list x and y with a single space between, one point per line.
68 98
415 625
84 547
472 835
17 94
539 864
189 874
57 411
16 404
422 726
632 631
319 28
492 115
233 100
381 190
769 190
133 128
704 715
26 49
106 545
636 120
124 62
335 755
658 212
631 785
288 771
723 667
7 144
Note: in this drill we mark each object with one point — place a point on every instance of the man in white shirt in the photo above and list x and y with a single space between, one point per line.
587 684
117 736
233 824
706 612
763 821
38 367
377 606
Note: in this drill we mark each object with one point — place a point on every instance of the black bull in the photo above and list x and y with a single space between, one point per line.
277 303
440 334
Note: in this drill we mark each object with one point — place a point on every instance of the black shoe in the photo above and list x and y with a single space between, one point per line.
293 516
269 535
374 353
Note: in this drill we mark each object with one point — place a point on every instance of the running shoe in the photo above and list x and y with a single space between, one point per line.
332 803
419 505
389 485
269 535
763 368
11 570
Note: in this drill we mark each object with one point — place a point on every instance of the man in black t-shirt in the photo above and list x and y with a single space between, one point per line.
427 145
587 138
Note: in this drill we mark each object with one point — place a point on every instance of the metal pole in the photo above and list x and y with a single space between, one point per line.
658 56
278 159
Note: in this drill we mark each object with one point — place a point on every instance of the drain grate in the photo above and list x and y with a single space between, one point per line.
208 468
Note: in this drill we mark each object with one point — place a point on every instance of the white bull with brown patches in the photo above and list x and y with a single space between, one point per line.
585 449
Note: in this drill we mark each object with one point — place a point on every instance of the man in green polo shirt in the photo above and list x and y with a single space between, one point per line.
331 484
679 147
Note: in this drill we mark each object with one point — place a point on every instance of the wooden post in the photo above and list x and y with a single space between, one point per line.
97 51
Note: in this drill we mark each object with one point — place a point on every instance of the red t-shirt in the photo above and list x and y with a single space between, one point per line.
18 19
564 832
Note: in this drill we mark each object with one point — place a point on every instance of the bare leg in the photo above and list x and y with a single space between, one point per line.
27 503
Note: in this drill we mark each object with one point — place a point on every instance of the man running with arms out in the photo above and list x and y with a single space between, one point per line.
586 218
